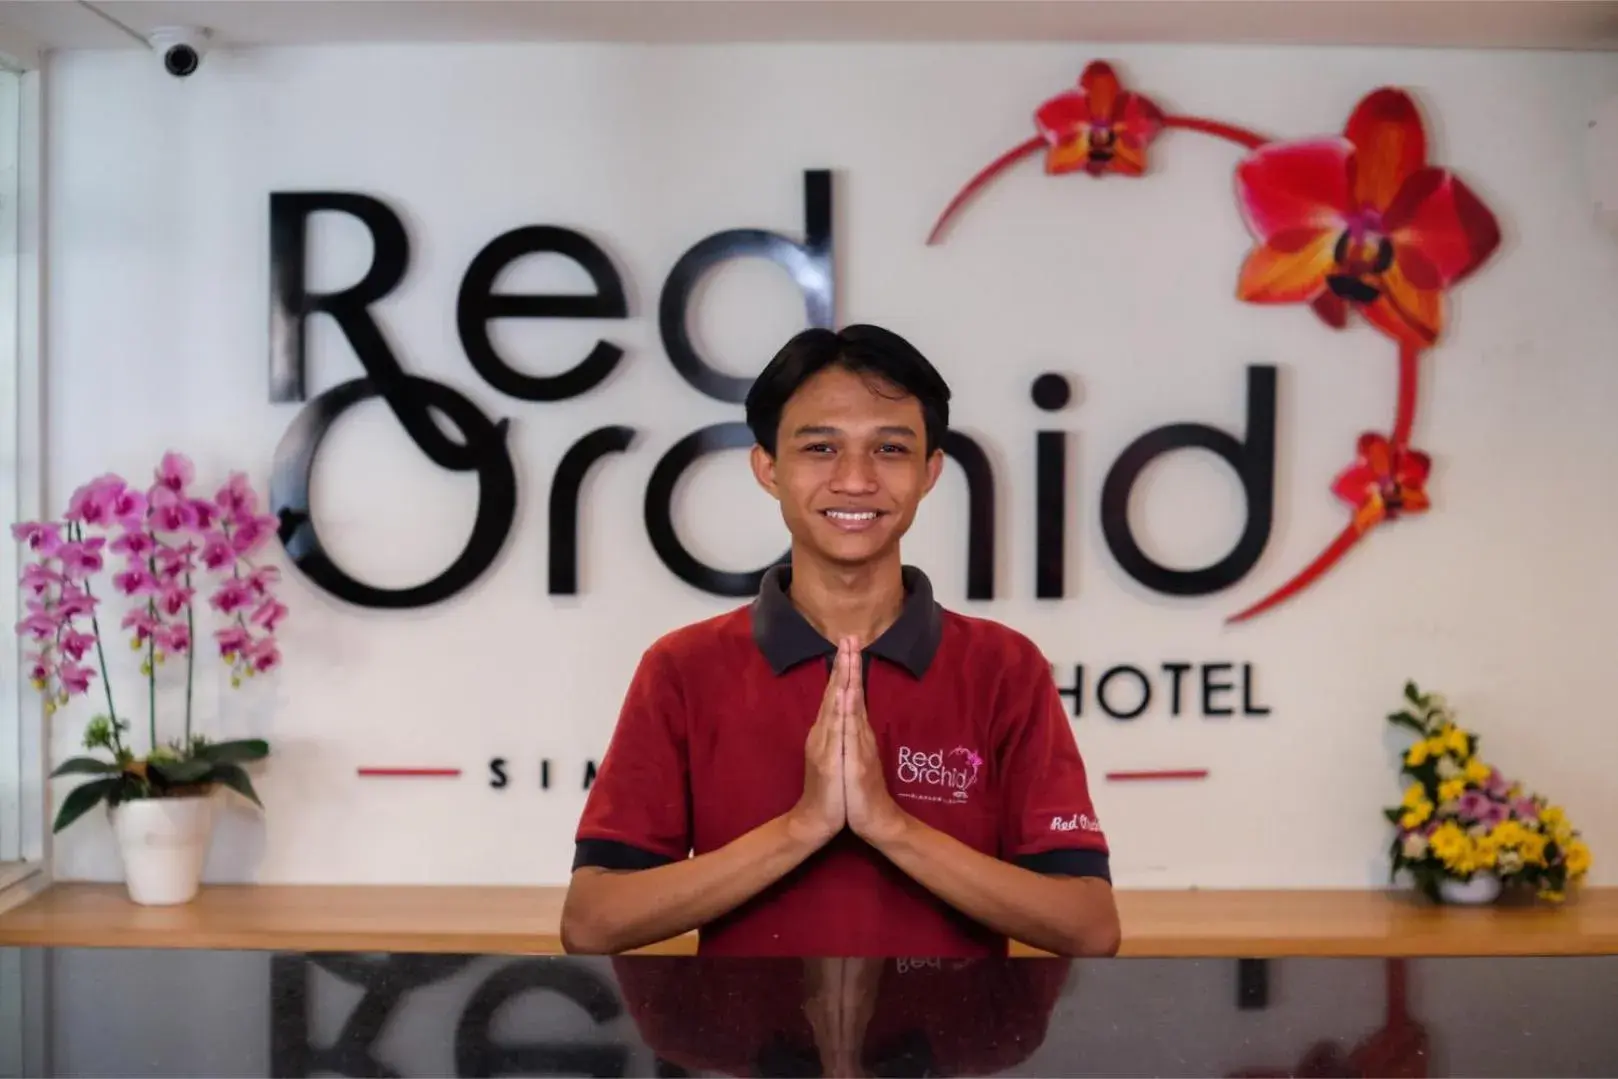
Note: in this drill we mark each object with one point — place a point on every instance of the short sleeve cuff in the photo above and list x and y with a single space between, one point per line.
1068 862
611 854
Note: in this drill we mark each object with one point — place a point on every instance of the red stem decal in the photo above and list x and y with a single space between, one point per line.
1239 135
998 165
1405 416
1328 558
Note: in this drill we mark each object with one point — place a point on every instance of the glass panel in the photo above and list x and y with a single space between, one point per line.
13 832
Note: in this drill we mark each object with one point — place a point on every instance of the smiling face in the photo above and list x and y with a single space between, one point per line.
851 467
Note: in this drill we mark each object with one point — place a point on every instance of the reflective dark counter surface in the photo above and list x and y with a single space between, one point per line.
108 1012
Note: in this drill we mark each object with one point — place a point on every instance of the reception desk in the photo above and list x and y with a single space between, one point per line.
209 1012
518 920
302 981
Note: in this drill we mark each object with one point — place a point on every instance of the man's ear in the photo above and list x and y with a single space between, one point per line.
764 470
935 468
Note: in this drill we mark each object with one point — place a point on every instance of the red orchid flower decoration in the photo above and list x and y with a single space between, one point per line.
1099 127
1386 482
1362 221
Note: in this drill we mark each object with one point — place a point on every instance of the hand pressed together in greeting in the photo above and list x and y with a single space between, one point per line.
843 767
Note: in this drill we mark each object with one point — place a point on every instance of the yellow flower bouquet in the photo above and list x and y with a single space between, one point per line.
1463 831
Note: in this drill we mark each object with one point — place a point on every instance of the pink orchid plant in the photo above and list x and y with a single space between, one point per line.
162 544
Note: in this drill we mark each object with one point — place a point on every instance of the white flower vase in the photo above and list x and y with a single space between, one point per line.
163 843
1481 890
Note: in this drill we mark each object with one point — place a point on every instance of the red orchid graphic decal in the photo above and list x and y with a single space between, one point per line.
1357 222
1362 221
1385 483
1099 128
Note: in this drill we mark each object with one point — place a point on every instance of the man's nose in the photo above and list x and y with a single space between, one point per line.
855 472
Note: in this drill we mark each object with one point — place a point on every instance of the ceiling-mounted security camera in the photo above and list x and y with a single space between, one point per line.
181 48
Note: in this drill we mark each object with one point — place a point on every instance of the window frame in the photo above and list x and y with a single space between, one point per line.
25 845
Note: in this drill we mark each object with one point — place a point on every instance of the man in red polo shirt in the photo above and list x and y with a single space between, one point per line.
913 789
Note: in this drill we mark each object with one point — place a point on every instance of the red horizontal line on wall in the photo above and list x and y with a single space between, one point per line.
418 773
1159 773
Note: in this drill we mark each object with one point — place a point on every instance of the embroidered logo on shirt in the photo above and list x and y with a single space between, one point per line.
1077 822
941 777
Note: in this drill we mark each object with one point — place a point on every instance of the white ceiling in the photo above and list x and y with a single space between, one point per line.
1563 24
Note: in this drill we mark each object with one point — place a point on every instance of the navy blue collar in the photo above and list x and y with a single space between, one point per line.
787 639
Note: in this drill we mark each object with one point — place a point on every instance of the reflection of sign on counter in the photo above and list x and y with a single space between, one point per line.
486 1015
386 984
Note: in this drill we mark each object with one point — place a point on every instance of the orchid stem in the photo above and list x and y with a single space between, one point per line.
1239 135
77 532
999 164
1312 572
190 658
1405 412
151 664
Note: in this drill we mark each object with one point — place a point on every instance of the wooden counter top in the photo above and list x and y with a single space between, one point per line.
525 920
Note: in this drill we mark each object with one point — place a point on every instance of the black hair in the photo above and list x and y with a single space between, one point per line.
863 349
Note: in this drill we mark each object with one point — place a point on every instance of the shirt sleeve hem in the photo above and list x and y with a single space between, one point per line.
613 854
1068 862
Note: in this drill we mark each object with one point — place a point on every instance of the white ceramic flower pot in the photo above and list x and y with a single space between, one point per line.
163 843
1482 889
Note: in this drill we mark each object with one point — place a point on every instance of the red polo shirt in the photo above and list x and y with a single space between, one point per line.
974 741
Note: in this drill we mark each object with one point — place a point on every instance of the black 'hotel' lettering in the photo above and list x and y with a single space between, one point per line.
1175 671
1206 688
1145 692
1210 687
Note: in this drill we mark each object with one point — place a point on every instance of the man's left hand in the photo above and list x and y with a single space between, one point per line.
872 813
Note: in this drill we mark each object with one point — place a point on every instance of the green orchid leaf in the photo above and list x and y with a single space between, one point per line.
84 766
81 800
232 776
247 749
187 771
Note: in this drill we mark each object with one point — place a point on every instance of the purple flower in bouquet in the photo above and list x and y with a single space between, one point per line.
1474 805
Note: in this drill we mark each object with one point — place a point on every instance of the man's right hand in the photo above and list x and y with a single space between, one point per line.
822 811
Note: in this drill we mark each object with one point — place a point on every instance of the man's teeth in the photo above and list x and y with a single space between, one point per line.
845 515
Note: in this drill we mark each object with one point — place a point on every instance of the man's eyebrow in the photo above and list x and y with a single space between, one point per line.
824 429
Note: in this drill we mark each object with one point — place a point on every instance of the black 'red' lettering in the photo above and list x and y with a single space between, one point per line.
810 264
410 398
478 305
483 448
